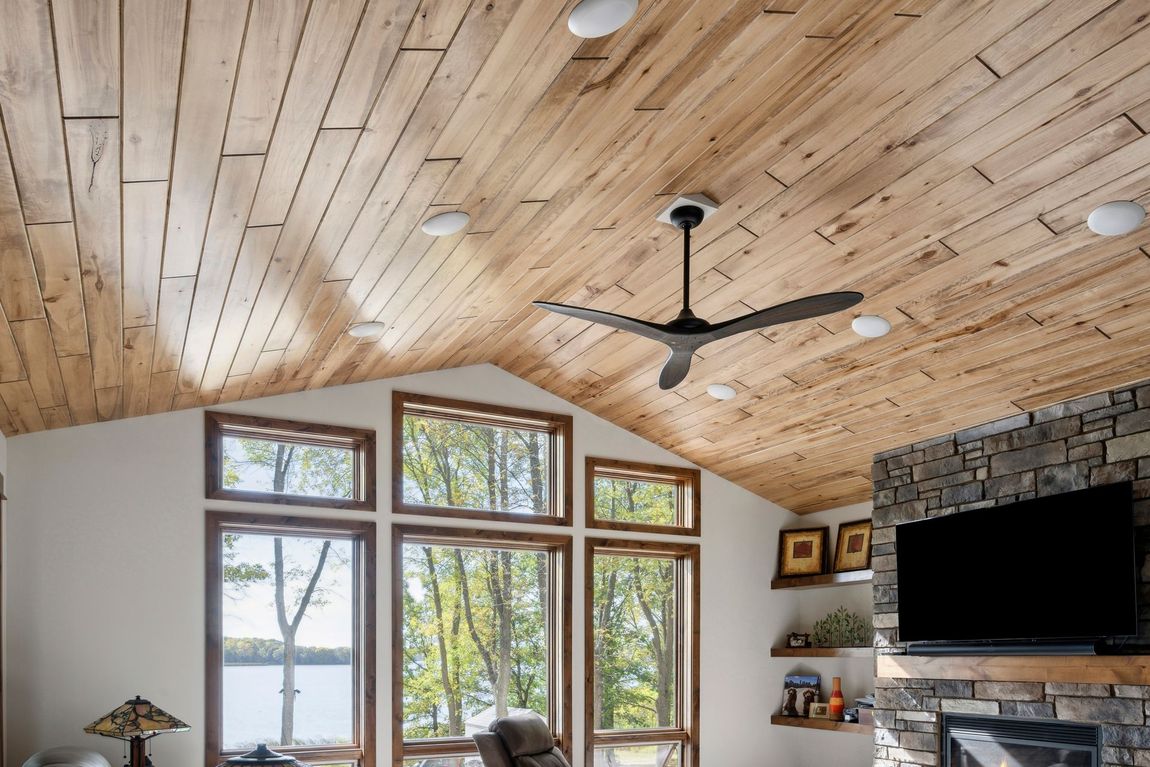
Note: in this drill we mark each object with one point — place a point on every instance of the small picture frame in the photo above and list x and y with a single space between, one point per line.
820 711
800 691
852 550
795 639
803 552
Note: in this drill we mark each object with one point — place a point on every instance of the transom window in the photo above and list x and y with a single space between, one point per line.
642 614
462 459
290 637
482 623
271 460
642 497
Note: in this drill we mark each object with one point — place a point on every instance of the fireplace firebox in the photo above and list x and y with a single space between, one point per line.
998 741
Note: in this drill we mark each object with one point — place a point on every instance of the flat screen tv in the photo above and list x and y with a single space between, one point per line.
1055 568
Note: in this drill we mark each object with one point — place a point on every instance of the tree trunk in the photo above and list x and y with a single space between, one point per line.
288 629
454 708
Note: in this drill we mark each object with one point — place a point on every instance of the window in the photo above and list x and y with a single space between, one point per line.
291 638
461 459
268 460
642 497
482 628
642 614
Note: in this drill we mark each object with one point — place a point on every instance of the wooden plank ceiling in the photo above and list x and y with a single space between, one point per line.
198 197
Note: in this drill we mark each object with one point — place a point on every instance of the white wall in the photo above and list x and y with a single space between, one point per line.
815 748
106 548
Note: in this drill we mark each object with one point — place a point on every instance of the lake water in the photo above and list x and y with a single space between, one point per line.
252 704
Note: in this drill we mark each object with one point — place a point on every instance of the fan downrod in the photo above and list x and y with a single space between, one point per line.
687 216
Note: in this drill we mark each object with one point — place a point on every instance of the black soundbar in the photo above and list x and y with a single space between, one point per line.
1002 648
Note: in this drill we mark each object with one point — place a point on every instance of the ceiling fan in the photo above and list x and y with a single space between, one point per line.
686 333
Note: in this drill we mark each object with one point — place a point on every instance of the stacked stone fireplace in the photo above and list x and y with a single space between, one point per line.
1094 440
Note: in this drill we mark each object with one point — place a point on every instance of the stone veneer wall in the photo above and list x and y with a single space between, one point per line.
1089 441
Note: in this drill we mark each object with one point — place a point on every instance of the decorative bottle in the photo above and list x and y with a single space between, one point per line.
835 709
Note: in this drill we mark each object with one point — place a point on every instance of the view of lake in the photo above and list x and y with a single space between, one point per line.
252 705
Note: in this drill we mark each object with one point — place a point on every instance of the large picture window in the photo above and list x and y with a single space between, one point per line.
271 460
642 617
290 637
472 461
642 497
482 625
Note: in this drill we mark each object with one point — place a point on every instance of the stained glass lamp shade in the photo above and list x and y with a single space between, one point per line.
136 721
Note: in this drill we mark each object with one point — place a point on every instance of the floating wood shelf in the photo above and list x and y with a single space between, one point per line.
819 581
1104 669
822 724
822 652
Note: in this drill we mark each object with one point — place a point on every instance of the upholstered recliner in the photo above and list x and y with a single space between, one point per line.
519 741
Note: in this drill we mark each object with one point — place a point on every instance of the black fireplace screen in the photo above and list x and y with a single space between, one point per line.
995 741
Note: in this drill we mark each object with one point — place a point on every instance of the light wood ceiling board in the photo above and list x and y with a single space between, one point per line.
144 205
88 56
330 349
30 104
1141 115
58 270
19 291
326 164
76 373
56 417
1039 32
495 169
1114 292
435 24
22 408
543 32
269 48
1131 186
323 305
373 54
262 373
34 340
138 350
354 195
11 366
236 187
233 391
211 53
326 39
477 37
161 391
94 153
251 265
207 398
176 295
153 40
109 404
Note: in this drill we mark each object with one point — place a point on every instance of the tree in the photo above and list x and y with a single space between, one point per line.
298 468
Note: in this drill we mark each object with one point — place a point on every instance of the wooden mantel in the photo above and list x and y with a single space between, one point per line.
1112 669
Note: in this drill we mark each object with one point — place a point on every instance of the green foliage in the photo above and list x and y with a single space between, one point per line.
253 651
650 503
841 628
463 465
276 467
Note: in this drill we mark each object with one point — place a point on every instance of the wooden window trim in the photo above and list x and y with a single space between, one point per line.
360 441
687 556
557 425
363 751
560 548
687 480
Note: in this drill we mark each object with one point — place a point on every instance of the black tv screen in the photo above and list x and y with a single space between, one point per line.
1052 568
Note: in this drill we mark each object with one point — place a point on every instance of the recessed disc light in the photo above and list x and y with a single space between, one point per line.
366 329
446 223
721 391
870 326
1114 218
597 18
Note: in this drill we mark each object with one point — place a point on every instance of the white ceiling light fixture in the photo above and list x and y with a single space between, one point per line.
1114 218
599 18
870 326
366 329
446 224
721 391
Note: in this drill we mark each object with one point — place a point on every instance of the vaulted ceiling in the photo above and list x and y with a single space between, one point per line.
198 197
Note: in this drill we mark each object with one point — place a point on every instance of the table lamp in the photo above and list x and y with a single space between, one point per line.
135 722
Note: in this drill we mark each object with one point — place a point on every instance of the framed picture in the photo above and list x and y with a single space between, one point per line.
820 710
852 551
800 692
803 552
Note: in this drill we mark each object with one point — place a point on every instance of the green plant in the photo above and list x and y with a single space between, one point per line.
842 628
